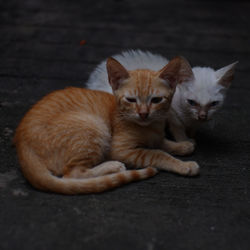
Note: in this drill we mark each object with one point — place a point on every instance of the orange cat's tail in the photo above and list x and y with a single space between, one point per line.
49 182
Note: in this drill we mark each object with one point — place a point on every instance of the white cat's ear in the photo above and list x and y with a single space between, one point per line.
116 73
225 75
177 71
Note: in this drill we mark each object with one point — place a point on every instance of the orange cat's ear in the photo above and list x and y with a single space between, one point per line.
178 70
116 73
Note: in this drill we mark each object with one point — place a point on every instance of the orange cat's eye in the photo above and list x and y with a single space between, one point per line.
156 99
129 99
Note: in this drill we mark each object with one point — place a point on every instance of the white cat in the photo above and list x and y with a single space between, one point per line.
194 101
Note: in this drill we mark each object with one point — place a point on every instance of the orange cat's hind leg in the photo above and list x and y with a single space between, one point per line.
108 167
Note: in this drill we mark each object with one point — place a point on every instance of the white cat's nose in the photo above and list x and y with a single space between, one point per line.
202 115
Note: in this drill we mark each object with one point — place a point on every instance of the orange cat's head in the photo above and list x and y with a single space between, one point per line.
144 96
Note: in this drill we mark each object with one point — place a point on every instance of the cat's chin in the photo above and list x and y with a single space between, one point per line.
143 122
203 120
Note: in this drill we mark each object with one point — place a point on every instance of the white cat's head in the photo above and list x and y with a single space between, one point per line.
204 94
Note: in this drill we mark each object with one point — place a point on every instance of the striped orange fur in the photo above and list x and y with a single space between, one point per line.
77 140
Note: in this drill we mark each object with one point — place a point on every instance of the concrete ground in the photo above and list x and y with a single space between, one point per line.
40 51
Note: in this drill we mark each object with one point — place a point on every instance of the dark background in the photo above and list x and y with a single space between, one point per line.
40 51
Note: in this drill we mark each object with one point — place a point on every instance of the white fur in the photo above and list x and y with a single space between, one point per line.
204 88
131 60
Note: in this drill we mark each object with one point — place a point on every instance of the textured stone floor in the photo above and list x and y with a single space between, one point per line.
40 51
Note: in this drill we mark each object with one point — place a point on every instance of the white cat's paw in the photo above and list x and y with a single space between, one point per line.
185 148
190 168
188 147
192 140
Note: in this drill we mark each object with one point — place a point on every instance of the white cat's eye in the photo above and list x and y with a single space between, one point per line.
192 102
156 99
130 99
215 103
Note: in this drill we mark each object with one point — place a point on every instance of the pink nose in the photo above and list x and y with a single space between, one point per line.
202 116
143 115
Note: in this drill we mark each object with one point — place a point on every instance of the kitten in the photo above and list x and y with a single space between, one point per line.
78 140
194 101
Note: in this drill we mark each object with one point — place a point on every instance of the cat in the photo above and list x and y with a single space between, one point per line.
194 102
77 141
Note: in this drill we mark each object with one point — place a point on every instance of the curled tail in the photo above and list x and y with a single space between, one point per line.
38 174
47 182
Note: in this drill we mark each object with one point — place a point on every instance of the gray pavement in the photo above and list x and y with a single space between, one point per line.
40 51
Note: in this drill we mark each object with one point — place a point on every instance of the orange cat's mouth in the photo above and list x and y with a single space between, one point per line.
143 122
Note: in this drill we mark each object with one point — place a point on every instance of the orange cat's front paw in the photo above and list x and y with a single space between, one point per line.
190 168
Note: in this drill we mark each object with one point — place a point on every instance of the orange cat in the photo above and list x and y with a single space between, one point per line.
78 140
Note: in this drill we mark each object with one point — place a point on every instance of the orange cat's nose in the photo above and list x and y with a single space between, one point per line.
143 115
